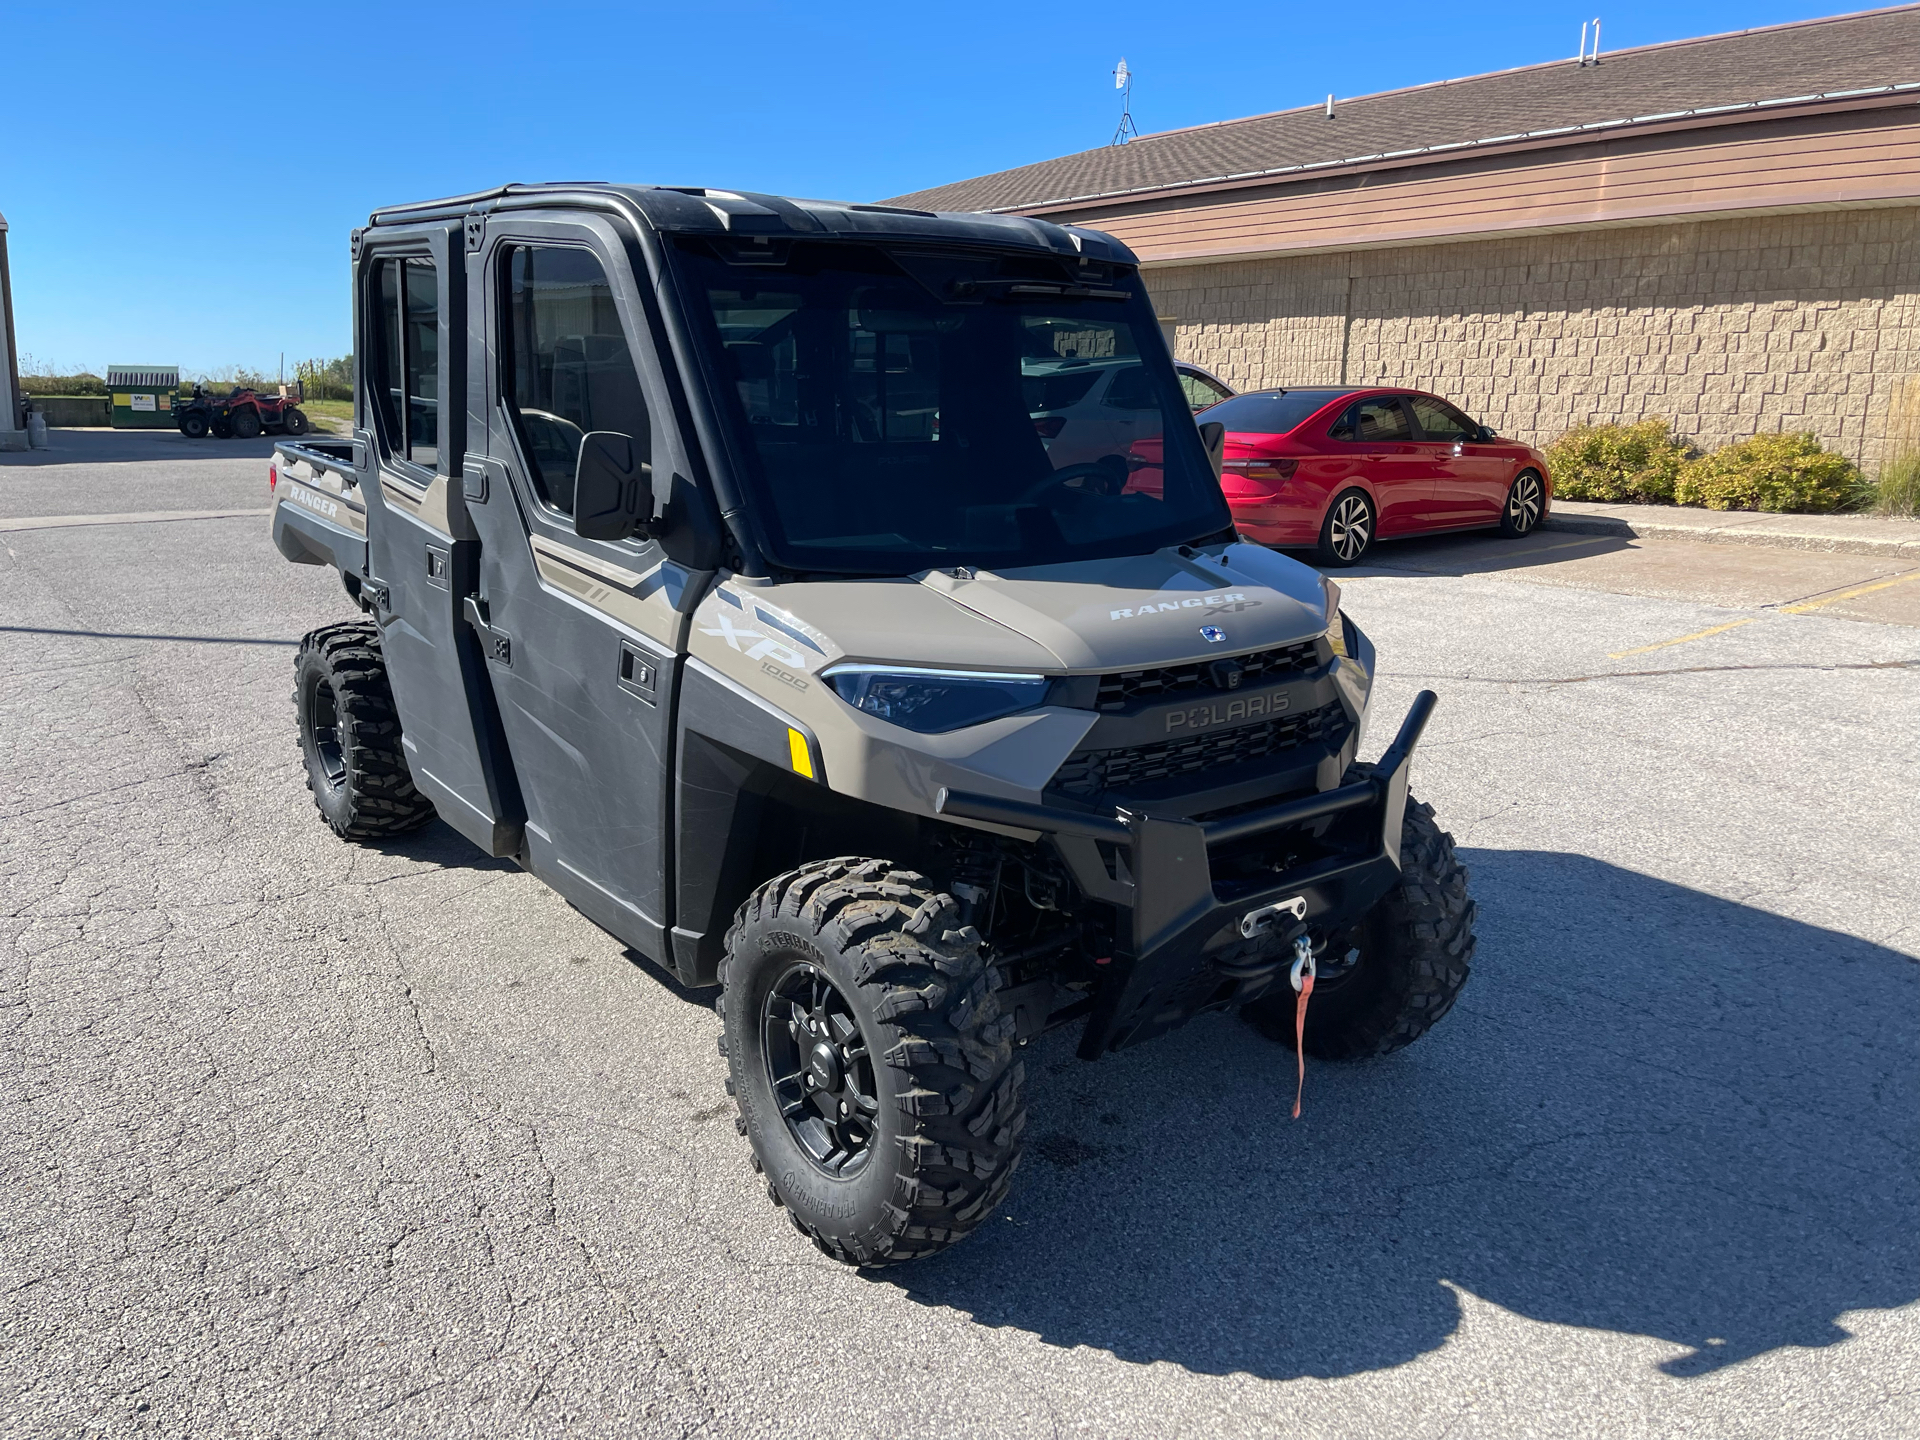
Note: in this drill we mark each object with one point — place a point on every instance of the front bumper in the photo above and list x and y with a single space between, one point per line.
1190 892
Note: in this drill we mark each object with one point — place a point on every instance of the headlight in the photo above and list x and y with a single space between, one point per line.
934 701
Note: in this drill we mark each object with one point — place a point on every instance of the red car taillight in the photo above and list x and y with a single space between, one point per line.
1049 426
1271 469
273 478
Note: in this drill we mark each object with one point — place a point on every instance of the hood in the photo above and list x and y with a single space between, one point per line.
1097 615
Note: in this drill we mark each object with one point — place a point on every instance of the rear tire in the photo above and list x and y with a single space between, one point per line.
245 424
1526 505
1347 533
294 421
350 735
222 429
193 426
899 1139
1410 956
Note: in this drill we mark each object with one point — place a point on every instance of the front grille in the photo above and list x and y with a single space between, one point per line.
1088 773
1128 685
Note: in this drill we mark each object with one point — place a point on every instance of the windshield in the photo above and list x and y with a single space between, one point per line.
909 411
1270 412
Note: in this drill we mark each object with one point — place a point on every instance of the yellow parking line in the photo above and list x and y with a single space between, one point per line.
1805 605
1682 639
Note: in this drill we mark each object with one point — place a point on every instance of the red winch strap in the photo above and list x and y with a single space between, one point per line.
1300 1038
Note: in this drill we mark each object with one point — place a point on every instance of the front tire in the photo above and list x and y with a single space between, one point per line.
871 1065
350 735
295 422
193 426
245 424
1387 981
1347 533
1526 505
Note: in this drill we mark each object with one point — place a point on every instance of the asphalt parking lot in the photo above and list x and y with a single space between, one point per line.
310 1139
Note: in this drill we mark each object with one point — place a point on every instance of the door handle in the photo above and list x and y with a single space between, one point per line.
498 644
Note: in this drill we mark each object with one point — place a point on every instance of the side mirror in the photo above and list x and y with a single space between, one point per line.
1213 435
1486 436
612 488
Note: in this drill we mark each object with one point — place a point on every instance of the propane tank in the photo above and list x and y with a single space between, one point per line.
36 430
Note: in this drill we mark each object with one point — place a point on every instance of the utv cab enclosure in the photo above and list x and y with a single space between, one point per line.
716 567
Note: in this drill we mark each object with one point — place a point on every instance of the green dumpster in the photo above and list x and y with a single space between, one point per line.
143 395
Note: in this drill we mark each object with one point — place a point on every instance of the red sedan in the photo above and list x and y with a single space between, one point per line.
1340 468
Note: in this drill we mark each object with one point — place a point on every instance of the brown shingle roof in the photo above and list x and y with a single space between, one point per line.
1811 57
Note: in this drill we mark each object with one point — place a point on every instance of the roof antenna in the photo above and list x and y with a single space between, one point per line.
1329 107
1123 82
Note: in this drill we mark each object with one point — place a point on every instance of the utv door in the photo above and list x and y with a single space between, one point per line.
410 298
584 637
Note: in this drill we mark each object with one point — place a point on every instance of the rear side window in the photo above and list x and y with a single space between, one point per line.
1200 391
1372 422
1440 421
1132 388
569 369
406 380
1269 412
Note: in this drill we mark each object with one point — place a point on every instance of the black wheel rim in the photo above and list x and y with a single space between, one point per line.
1350 527
1523 505
820 1070
323 725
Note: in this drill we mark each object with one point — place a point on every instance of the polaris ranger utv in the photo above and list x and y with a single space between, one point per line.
717 571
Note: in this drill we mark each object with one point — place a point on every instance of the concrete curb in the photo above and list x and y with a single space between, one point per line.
1898 544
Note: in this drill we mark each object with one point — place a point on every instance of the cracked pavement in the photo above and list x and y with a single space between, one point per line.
312 1139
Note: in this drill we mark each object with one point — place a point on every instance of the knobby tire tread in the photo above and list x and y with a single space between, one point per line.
382 799
932 992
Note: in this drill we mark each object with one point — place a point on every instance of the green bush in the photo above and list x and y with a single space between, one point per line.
1618 462
1781 471
63 384
1897 492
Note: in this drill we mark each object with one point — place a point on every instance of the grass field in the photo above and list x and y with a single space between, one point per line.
335 416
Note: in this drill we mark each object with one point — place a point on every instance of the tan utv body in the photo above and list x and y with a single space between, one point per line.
718 568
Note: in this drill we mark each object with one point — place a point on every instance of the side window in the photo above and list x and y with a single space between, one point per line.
1440 421
1132 389
1372 422
568 368
406 380
1200 391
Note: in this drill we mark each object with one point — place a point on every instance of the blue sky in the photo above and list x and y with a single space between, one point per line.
180 186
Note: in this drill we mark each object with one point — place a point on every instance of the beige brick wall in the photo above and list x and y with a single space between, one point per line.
1783 322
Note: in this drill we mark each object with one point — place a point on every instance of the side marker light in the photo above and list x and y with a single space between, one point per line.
798 752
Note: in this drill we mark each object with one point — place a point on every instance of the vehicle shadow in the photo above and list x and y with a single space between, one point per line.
1476 552
107 447
437 843
1654 1112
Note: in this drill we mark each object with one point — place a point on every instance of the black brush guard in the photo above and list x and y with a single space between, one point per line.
1166 878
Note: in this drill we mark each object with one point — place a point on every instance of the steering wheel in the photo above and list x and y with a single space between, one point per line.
1109 480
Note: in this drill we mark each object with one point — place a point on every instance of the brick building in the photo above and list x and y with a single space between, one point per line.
1720 231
